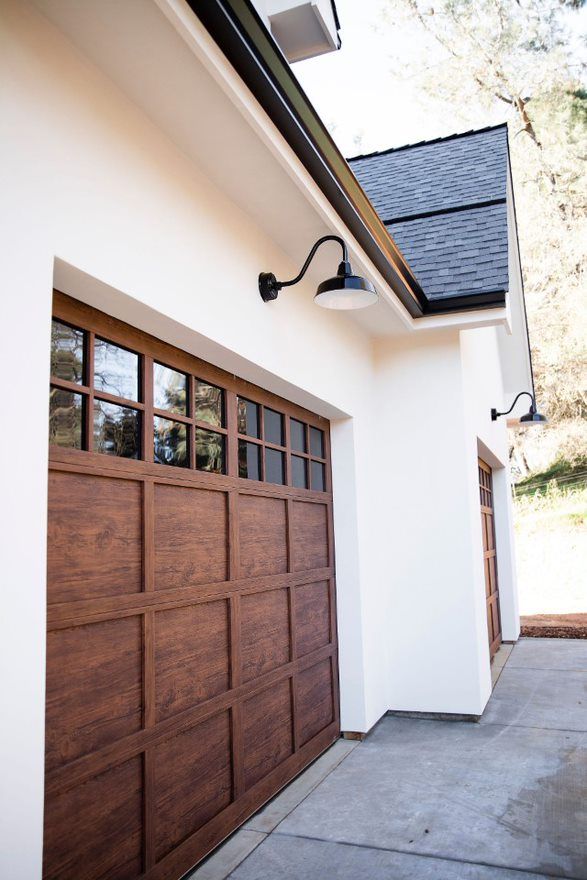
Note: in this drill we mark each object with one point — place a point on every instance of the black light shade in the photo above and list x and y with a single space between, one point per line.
532 417
344 291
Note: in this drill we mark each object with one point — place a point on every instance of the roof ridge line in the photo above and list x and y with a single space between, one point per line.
406 218
450 137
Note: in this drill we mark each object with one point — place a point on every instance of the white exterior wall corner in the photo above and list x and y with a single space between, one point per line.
428 500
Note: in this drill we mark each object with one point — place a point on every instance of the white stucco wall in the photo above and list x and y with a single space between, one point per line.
98 200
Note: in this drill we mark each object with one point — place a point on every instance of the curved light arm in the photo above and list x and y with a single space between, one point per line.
310 257
269 286
495 414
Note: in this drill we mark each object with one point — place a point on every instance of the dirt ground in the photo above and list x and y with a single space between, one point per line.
555 626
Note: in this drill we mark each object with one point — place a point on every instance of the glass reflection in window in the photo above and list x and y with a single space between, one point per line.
299 472
209 451
116 430
298 435
274 466
170 442
209 404
169 389
116 370
317 476
248 421
249 460
317 442
67 352
273 424
65 418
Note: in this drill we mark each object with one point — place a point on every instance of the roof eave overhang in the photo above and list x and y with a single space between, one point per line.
241 35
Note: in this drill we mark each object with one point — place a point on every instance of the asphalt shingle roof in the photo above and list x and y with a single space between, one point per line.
433 197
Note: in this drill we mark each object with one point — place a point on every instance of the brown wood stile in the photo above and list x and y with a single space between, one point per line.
489 557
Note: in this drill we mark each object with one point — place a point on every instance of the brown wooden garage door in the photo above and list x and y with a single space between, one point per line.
191 646
489 557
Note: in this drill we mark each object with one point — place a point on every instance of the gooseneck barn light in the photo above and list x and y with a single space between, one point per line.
343 291
532 417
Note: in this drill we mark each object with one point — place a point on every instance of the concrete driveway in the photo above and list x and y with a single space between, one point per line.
503 799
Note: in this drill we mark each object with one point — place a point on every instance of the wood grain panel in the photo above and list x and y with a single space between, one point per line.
265 640
191 544
310 536
312 617
191 656
94 687
489 557
262 536
94 537
191 634
315 699
192 781
267 731
94 831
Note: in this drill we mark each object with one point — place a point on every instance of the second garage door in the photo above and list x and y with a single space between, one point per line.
191 646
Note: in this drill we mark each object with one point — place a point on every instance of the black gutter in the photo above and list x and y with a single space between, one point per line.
242 36
467 302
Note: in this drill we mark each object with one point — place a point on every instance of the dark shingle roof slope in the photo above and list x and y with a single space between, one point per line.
444 203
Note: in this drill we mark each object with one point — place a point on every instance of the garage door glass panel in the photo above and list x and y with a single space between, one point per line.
209 451
170 442
67 352
298 435
65 418
209 404
273 426
116 430
274 466
169 389
299 472
317 442
249 460
248 418
116 370
317 480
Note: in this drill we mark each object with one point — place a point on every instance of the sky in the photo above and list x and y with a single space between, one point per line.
354 91
361 101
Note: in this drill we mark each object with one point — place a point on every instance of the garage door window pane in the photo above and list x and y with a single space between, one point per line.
209 404
249 460
67 353
209 451
274 466
299 472
65 418
169 389
116 370
116 430
317 442
298 435
170 442
248 418
317 471
273 427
